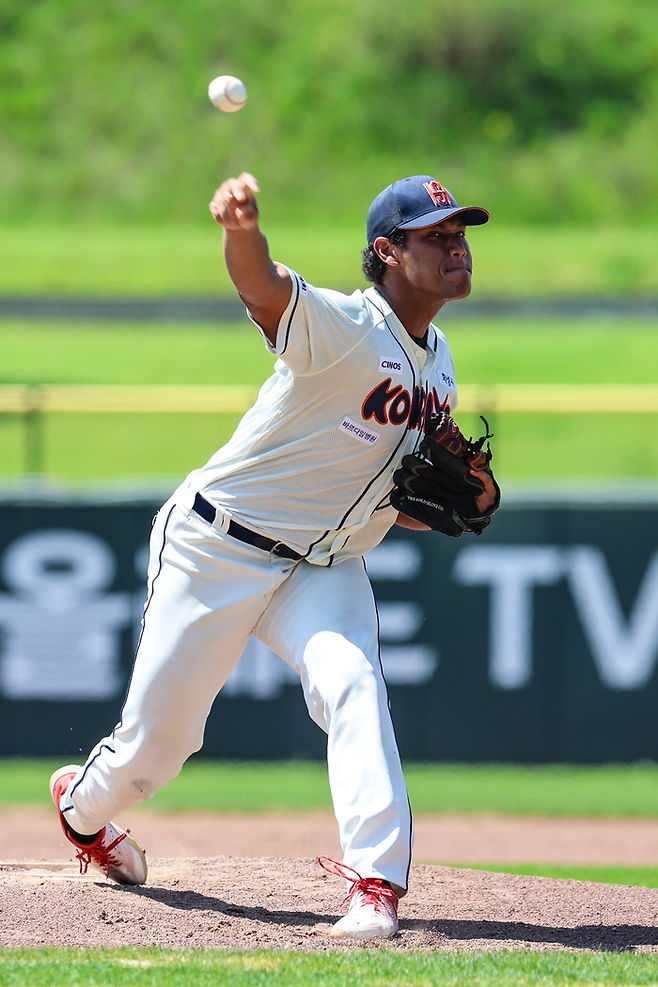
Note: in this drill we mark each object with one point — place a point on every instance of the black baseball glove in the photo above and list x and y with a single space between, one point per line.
436 485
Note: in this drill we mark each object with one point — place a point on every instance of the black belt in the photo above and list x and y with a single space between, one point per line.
205 510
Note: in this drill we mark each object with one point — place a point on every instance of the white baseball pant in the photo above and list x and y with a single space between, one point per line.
207 593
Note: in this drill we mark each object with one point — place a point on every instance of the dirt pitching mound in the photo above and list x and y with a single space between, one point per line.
277 902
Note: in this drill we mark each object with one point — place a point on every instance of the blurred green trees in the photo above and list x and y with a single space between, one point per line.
543 110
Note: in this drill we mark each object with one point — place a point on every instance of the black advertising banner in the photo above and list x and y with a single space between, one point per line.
536 642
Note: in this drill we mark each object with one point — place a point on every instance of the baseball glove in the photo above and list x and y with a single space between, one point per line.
436 485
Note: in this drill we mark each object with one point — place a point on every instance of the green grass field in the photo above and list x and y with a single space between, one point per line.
146 260
301 786
78 447
375 967
365 967
634 877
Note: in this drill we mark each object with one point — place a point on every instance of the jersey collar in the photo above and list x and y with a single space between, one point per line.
401 334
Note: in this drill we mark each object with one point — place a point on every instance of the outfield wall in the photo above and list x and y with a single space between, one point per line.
536 642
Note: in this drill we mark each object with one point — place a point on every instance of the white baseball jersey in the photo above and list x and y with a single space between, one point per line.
311 463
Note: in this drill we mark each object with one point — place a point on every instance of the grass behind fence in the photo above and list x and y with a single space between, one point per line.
179 259
81 446
494 351
486 351
538 447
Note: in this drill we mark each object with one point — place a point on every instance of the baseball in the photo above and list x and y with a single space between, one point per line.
227 93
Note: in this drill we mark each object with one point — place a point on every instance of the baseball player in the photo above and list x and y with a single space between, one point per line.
269 537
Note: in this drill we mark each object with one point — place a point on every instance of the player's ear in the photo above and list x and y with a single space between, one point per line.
386 251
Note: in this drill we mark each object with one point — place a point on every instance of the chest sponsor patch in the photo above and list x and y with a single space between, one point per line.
390 365
448 381
358 431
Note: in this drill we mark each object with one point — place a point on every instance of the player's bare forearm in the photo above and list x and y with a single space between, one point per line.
408 522
264 286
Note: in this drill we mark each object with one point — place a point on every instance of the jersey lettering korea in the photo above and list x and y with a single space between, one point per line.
311 463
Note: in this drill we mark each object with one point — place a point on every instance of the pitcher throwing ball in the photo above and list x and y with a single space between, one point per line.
350 435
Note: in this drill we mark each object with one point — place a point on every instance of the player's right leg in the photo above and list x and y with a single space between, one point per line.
323 622
206 593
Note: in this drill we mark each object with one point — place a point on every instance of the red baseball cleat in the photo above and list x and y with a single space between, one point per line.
113 851
373 911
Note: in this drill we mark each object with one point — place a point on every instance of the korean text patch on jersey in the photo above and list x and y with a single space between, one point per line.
358 431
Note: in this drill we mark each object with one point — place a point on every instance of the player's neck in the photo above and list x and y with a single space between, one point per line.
414 311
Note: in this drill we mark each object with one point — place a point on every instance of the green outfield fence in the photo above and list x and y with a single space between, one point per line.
537 642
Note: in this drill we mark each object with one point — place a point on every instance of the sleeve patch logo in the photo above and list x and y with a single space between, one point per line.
303 287
448 381
358 431
390 365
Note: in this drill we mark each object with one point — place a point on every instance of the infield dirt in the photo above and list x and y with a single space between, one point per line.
279 902
247 900
33 834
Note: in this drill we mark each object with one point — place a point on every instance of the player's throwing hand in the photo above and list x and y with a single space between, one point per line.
234 203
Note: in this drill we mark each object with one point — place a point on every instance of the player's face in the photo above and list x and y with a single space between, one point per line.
437 260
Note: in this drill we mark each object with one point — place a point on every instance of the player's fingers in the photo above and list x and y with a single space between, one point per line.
249 182
488 496
221 211
218 201
215 210
246 217
232 195
225 188
237 189
242 189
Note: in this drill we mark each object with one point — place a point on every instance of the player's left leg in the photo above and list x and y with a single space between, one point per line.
323 622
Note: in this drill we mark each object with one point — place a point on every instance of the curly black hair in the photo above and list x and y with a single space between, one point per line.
373 266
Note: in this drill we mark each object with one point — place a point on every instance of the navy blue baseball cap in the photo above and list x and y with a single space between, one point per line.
414 203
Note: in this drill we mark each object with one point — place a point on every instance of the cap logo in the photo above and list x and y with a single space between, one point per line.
438 194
